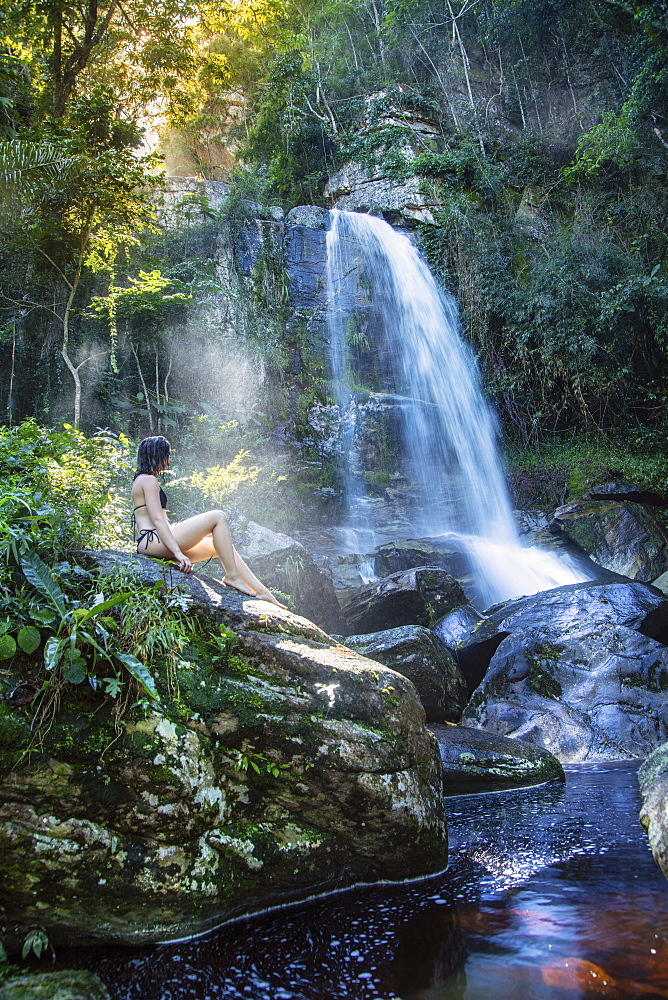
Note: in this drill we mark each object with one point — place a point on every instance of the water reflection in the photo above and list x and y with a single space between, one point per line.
552 894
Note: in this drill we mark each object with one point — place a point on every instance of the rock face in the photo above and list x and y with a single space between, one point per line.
562 610
415 653
619 535
597 692
284 564
71 984
415 597
276 766
653 779
475 761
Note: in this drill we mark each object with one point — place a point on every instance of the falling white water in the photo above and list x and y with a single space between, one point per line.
448 431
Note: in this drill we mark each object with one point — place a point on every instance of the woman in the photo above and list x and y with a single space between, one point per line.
193 540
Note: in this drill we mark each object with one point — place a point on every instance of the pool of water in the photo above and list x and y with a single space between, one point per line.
551 894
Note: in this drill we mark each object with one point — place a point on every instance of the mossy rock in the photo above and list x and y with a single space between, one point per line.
74 984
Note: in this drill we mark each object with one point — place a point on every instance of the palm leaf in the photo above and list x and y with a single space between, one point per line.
39 576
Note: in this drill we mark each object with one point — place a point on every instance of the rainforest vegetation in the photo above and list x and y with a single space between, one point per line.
550 224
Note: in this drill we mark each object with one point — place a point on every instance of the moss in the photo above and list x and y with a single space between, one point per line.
542 663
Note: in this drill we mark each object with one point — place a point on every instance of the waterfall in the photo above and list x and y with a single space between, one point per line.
386 314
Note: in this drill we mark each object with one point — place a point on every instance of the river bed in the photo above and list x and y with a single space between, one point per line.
551 894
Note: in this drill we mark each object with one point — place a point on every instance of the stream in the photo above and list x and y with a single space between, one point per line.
551 894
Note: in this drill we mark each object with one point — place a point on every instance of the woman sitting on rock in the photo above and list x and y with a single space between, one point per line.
193 540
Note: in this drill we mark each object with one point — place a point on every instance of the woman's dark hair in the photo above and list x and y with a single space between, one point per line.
152 455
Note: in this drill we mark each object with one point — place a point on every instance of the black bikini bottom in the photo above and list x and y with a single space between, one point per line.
147 535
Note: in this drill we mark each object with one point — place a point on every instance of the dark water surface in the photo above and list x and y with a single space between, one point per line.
552 894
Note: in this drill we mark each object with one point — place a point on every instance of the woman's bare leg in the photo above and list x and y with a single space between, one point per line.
199 544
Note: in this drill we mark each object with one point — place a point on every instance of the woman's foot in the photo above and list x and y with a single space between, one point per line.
268 596
239 585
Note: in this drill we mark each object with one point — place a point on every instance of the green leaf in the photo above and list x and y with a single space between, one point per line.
103 606
112 686
38 574
53 652
139 672
5 626
74 670
29 639
7 647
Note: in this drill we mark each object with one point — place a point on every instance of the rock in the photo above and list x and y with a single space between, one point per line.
621 490
661 583
653 780
452 630
283 563
619 535
70 984
415 597
410 553
415 653
477 761
561 610
306 254
597 692
282 767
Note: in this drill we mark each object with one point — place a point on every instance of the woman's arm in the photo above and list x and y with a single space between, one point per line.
161 524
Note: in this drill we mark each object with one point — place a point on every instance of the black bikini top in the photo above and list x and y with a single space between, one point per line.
163 501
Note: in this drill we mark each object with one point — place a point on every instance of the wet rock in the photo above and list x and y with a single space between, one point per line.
619 535
70 984
282 766
283 563
653 780
306 254
415 653
561 610
452 630
393 557
597 692
477 761
415 597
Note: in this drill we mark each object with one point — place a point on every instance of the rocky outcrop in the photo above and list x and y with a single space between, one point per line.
594 692
415 653
619 535
475 761
653 779
70 984
559 612
276 765
284 564
416 597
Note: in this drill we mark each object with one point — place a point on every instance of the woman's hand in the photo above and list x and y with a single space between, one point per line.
183 562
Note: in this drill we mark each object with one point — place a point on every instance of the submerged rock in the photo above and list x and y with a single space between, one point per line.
595 693
415 653
415 597
619 535
477 761
653 780
70 984
280 767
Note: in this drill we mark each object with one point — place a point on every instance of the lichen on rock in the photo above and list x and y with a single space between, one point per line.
297 766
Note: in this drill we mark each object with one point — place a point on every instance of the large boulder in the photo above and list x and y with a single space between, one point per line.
276 765
597 692
560 611
415 652
282 563
477 761
619 535
653 779
415 597
393 557
69 984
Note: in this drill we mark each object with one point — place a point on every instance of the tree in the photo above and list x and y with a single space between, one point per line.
75 222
